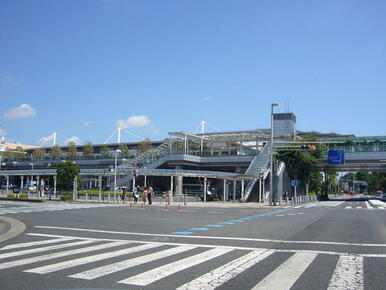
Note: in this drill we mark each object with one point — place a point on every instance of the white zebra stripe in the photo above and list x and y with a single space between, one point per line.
44 249
37 243
348 274
287 273
59 254
219 276
122 265
156 274
85 260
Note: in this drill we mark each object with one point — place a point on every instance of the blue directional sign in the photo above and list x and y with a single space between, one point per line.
336 157
294 182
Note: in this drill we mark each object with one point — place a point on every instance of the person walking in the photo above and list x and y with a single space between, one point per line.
144 194
149 194
135 194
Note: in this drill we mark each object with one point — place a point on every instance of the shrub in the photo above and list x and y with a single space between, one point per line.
66 197
11 195
23 195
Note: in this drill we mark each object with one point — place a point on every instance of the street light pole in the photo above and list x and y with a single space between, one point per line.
115 175
271 197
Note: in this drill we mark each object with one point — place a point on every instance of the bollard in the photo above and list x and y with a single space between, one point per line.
142 205
108 198
131 205
166 207
178 207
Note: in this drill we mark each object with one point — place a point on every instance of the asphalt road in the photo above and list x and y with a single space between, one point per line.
322 245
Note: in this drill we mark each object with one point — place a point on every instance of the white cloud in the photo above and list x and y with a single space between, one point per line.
87 124
8 78
21 112
134 122
74 139
208 98
3 133
47 139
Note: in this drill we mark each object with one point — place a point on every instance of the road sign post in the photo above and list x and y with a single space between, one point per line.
294 183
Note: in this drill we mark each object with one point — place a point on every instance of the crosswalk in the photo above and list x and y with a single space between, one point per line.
368 205
27 207
92 258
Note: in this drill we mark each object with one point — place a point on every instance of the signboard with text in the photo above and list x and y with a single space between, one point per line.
336 157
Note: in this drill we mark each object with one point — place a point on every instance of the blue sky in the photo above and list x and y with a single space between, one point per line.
77 67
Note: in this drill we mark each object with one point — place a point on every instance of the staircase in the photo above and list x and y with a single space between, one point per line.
149 159
258 166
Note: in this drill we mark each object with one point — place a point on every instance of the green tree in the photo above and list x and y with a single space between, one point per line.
88 150
38 153
144 146
124 149
105 152
56 152
301 164
66 173
72 151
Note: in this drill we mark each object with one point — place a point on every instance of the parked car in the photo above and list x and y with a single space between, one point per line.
15 189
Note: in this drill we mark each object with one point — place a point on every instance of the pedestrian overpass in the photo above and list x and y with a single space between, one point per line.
236 164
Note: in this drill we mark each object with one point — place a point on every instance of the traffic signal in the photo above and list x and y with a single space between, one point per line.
308 147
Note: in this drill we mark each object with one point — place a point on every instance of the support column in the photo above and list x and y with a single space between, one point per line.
38 185
205 189
234 190
74 189
21 184
100 187
145 181
242 190
260 189
55 185
7 188
224 189
171 189
263 189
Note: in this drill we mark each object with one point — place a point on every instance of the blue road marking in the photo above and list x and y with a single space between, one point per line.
231 222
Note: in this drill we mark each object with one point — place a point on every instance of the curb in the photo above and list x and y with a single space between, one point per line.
22 199
12 228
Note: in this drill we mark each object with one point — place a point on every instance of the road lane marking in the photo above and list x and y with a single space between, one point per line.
219 276
348 207
59 254
89 259
348 274
161 272
368 205
201 237
37 243
287 273
43 249
129 263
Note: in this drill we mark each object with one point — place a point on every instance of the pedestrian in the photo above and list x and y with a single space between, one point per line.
149 194
124 194
135 194
144 194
